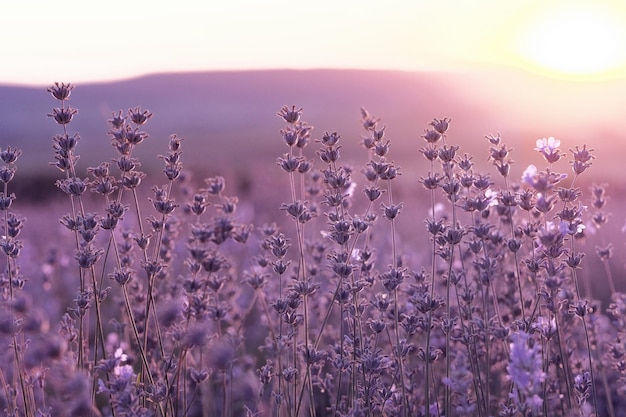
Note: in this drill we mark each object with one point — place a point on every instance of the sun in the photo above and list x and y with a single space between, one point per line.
574 41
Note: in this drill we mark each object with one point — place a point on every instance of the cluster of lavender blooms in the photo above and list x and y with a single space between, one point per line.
179 308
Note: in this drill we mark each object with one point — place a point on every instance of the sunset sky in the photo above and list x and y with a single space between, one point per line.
79 41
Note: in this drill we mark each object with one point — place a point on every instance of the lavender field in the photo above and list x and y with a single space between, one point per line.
320 277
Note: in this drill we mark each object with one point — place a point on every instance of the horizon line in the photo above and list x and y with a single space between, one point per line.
457 71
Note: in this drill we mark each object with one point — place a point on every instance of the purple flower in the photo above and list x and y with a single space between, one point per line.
525 369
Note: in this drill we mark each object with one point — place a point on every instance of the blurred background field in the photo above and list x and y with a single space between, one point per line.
230 128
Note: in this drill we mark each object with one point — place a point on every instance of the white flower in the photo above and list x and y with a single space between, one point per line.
351 188
525 367
492 196
440 209
564 228
124 372
548 145
119 354
547 327
529 175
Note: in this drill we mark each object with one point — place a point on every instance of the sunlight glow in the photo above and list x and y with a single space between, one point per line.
559 38
574 39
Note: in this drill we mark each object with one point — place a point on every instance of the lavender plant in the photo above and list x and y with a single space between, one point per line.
178 306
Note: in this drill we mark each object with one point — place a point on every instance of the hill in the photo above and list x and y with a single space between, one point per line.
228 119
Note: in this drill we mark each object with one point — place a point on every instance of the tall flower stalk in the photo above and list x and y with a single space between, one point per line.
84 226
12 283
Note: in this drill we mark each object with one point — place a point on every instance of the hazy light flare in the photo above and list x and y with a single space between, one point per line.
84 41
574 40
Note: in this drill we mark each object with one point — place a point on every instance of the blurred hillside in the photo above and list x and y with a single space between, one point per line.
228 119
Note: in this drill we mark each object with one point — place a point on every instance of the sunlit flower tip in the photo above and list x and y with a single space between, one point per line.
378 134
544 204
126 164
290 136
10 155
104 186
447 154
164 206
547 327
14 225
579 167
139 117
73 186
547 144
368 142
11 248
605 253
101 171
63 116
441 125
391 212
255 279
549 148
117 120
88 256
432 357
122 276
499 154
431 152
132 179
431 181
381 149
369 122
482 182
582 159
215 185
198 376
529 174
493 139
582 387
172 171
134 136
466 162
582 155
61 91
175 143
172 158
330 139
431 135
290 115
116 209
580 308
329 154
575 260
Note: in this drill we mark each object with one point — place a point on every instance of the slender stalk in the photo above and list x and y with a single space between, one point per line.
19 371
430 311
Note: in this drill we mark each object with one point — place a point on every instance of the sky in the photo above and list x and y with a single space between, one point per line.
82 41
